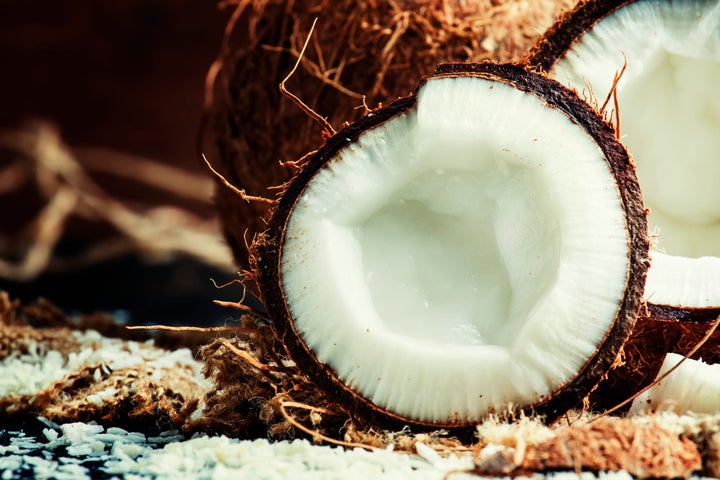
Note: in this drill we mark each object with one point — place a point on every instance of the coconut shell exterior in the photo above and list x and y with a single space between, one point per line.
569 395
373 49
663 328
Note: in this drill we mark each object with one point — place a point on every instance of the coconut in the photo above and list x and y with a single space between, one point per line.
361 54
661 63
477 247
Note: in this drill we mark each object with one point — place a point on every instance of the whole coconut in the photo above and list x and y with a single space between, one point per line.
360 55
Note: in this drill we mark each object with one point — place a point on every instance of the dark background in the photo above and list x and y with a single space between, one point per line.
127 75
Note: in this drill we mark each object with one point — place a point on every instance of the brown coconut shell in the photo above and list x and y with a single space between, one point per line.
361 53
270 248
661 329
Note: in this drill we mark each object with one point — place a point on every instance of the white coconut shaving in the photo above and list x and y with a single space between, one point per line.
87 450
30 372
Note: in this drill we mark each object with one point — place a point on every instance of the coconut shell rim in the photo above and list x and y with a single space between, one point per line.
566 30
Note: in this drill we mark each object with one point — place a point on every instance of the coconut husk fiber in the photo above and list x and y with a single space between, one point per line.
360 55
148 389
644 449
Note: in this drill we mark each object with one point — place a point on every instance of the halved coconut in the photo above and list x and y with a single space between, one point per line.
670 122
477 247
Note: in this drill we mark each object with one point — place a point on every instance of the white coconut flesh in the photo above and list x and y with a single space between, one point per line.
465 255
670 123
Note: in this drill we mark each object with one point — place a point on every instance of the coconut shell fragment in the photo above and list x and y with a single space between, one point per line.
289 282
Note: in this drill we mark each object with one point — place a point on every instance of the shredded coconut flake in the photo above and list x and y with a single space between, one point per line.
84 450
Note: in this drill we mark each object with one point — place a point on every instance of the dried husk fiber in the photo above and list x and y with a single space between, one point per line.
643 449
360 54
258 392
140 401
252 377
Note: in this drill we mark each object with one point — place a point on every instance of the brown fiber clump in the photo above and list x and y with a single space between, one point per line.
251 379
259 393
145 396
361 54
643 449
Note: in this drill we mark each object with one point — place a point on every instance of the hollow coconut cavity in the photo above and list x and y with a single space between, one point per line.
670 122
477 247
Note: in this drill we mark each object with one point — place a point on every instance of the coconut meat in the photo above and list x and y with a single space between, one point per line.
670 122
465 255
